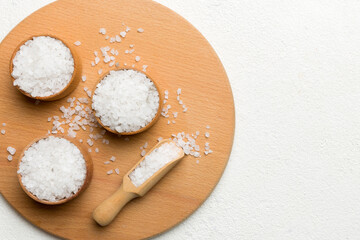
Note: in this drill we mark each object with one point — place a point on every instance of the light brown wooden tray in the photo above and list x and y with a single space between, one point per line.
178 57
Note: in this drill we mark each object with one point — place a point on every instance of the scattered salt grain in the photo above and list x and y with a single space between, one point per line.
112 158
83 78
96 150
143 152
123 34
52 169
102 31
43 66
80 140
117 38
77 43
112 105
178 91
117 171
3 131
4 124
127 29
140 30
144 67
207 127
107 162
207 134
110 172
100 71
160 139
158 158
90 142
89 150
137 58
11 150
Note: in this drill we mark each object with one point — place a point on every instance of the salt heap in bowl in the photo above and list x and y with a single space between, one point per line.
126 101
52 169
43 66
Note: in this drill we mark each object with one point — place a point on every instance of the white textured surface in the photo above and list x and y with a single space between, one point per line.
294 172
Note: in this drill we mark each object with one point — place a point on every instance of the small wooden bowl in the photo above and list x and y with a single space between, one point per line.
141 129
72 84
89 172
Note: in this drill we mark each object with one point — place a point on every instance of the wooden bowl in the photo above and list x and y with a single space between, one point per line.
153 121
89 171
72 84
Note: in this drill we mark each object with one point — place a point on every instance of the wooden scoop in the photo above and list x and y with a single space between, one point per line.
107 210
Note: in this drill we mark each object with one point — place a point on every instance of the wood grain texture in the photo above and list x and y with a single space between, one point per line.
178 57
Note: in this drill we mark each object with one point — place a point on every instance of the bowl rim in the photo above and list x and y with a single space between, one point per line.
59 94
146 127
88 177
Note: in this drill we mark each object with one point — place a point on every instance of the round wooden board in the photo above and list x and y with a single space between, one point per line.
178 57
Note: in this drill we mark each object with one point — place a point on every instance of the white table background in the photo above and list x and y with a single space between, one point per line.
294 172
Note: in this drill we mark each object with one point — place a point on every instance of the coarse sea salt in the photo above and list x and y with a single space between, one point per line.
43 66
125 100
52 169
153 162
11 150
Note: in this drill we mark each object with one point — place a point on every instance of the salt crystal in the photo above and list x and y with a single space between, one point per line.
207 127
102 31
144 67
4 124
123 34
11 150
3 131
83 78
146 145
90 142
137 58
143 152
160 139
131 45
117 38
96 150
97 60
109 172
9 158
207 134
112 158
117 171
140 30
100 71
77 43
127 29
178 91
107 162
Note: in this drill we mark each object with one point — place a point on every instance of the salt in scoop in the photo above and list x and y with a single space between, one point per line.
107 210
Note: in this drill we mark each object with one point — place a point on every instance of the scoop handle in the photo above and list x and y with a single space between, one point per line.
105 213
